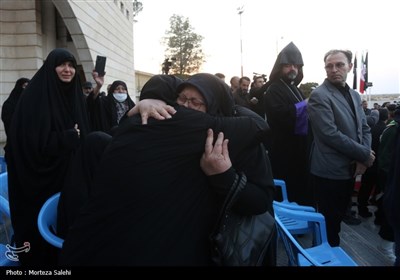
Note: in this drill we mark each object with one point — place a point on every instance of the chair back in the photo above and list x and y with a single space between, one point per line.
282 185
294 226
4 207
292 247
47 221
4 185
3 165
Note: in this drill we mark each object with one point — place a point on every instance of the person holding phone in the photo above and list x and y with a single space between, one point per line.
100 65
105 112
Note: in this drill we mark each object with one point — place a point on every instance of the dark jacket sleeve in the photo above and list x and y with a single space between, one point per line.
258 194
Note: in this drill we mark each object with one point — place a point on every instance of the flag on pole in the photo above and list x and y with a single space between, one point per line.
355 73
366 72
362 76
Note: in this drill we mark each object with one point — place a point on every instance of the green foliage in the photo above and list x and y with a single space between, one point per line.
307 88
183 45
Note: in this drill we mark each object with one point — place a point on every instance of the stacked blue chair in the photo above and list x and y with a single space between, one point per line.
317 255
47 221
285 200
293 225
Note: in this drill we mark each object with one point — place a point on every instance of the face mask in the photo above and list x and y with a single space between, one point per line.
86 94
120 97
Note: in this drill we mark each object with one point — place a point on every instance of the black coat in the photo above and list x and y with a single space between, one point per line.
288 151
9 105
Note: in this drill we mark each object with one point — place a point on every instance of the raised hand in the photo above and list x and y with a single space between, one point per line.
215 159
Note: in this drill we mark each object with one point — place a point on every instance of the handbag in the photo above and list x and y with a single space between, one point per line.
239 240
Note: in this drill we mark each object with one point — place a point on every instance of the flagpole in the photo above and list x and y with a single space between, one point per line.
369 93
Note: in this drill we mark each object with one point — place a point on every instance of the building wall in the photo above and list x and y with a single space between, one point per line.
30 29
141 78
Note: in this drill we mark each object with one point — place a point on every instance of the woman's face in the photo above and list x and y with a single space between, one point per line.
65 71
190 97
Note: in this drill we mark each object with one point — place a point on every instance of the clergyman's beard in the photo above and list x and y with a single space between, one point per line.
291 75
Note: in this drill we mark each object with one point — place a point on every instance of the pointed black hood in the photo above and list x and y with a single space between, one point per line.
288 55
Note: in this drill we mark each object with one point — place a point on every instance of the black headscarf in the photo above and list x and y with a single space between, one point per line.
9 105
216 92
42 142
105 112
288 55
161 87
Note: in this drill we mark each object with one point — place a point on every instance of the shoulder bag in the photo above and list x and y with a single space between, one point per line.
239 240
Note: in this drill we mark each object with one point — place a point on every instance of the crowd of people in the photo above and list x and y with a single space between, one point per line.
153 175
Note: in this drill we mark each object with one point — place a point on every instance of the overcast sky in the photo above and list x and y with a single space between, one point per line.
315 26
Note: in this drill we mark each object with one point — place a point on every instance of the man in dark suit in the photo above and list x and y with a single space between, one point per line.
342 141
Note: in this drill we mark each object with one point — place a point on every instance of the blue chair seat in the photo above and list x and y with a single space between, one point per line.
328 256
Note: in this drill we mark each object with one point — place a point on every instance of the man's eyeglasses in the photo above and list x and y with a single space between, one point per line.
338 66
197 103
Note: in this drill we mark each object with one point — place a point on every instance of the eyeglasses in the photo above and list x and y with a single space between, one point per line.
197 103
338 66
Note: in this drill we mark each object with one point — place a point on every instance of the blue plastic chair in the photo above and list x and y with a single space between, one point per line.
4 250
47 221
3 190
285 200
4 194
3 165
319 255
293 225
282 185
4 185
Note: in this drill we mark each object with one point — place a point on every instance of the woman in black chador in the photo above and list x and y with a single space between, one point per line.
151 202
48 124
9 105
107 111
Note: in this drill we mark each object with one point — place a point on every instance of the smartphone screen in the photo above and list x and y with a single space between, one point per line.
100 65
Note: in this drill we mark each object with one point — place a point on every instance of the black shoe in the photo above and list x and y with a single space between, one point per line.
378 221
365 214
350 220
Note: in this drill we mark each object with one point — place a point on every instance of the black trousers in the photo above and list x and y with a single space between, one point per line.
368 181
333 198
